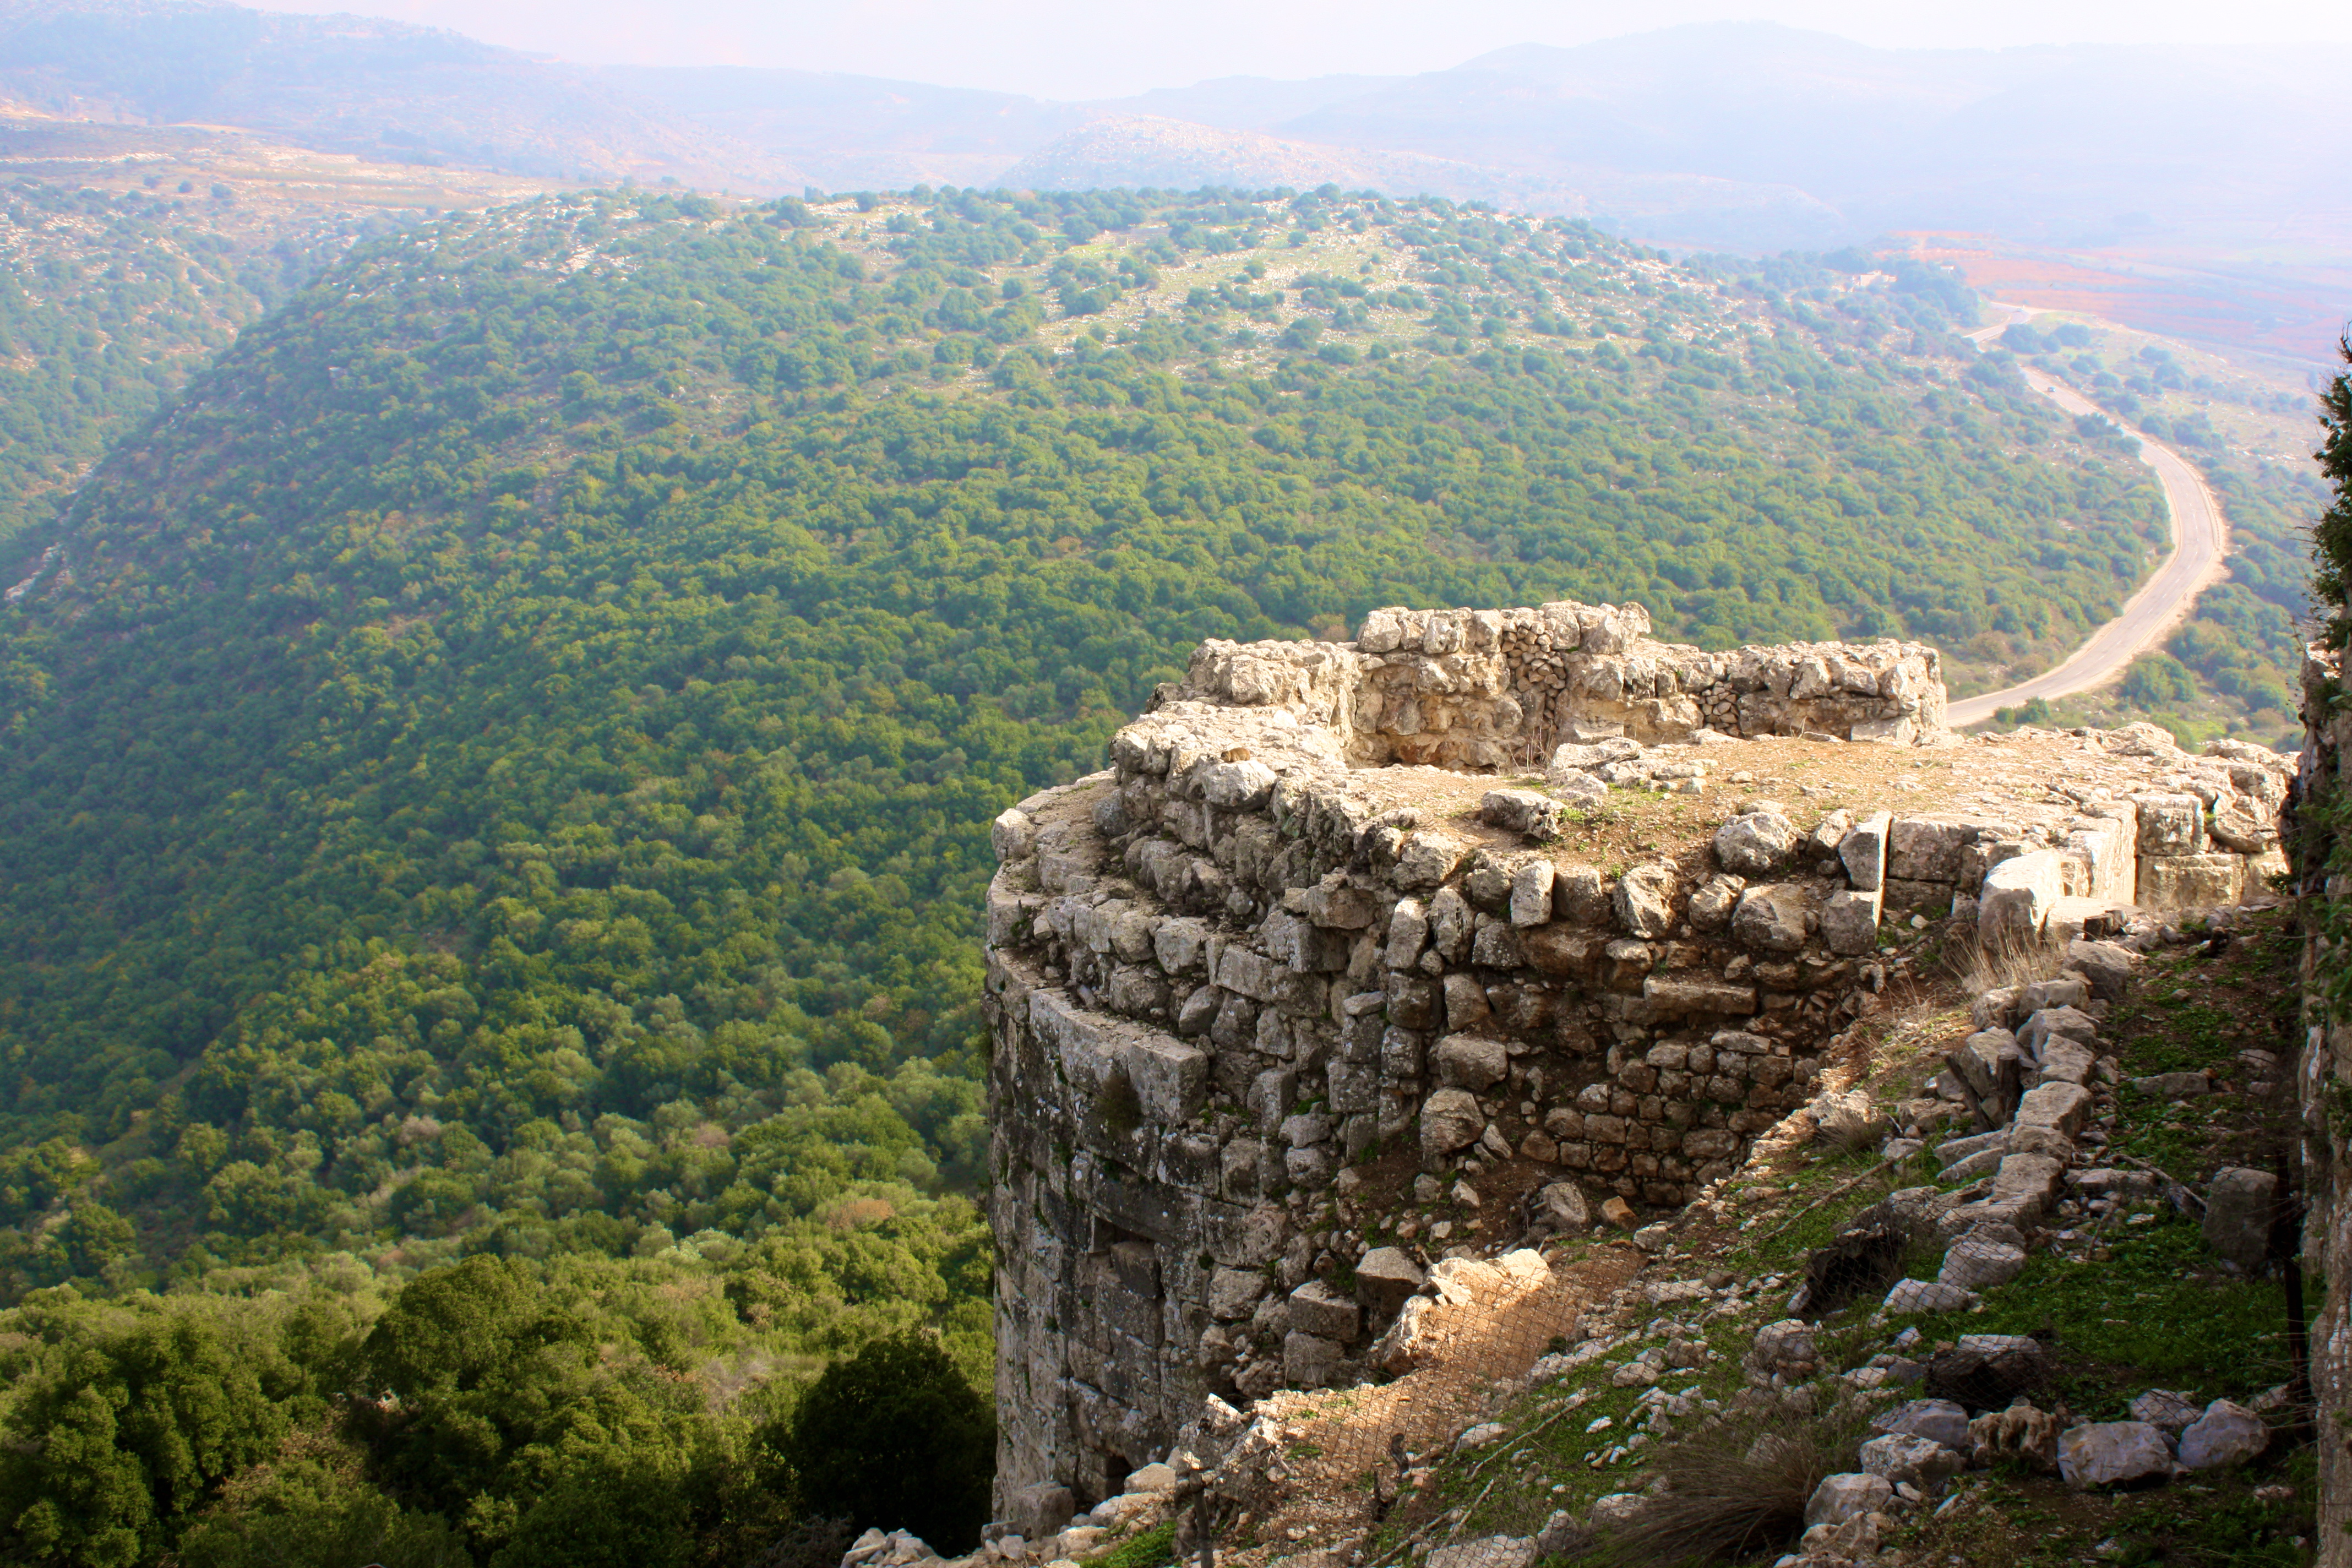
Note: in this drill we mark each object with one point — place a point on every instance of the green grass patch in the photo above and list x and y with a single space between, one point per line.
2157 1313
1155 1548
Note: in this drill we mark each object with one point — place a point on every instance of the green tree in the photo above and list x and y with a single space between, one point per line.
129 1436
896 1437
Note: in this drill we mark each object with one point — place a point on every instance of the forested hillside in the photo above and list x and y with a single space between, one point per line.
501 770
109 302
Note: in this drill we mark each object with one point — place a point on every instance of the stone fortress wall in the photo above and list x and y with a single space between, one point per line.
1294 926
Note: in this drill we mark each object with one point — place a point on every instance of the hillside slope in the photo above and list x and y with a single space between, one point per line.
500 768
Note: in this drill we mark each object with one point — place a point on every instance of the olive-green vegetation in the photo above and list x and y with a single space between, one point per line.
497 776
109 303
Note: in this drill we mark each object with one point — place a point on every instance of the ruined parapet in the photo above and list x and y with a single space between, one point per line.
1272 960
1484 689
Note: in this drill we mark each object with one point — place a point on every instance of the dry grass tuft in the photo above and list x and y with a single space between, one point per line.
2005 964
1736 1490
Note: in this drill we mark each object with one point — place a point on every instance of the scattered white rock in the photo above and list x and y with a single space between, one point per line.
2227 1434
2102 1453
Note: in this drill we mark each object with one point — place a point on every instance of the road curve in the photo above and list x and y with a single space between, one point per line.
2199 535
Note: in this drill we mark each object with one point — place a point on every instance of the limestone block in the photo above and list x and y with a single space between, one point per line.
2104 850
1521 811
1386 1278
1310 1360
1464 1061
2170 824
1311 1169
1012 835
1775 918
2227 1434
2104 1453
2189 882
1712 902
1841 1498
1450 1119
1426 858
2047 1023
1339 905
1316 1308
1922 850
1235 786
1939 1421
1170 1077
1246 974
1644 901
1904 1459
2106 967
1408 933
1864 852
1983 1056
2238 1215
1581 896
1756 843
2016 898
1496 945
1975 1265
1303 947
2029 1180
2060 1106
1928 1296
1680 995
1354 1088
1850 922
1531 888
1235 1294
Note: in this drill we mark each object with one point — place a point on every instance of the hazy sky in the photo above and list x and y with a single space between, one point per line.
1092 48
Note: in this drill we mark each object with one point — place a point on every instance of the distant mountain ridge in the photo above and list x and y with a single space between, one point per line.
1735 135
354 84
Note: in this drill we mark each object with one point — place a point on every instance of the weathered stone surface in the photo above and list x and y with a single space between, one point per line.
1850 922
1775 918
1487 1552
1235 1294
1531 888
1386 1278
2104 967
1426 858
1756 843
1974 1265
1845 1496
1466 1061
2173 1085
1784 1347
2189 882
1316 1308
2061 1106
1937 1420
1450 1119
1712 902
2166 1409
1904 1459
1864 852
2104 1453
2048 1022
1012 835
1562 1205
1644 901
1310 1360
2029 1179
2016 899
1681 995
2171 824
2238 1215
1521 811
1922 850
1927 1296
2227 1434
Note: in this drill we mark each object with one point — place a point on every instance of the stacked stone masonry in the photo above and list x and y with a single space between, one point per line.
1233 967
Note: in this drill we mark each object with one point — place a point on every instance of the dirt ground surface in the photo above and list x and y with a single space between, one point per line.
2018 779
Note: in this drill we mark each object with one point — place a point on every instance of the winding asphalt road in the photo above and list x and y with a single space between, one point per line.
2199 536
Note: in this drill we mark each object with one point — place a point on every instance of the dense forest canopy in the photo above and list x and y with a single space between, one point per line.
498 773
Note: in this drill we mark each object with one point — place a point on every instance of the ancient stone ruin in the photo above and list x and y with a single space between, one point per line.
1330 923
